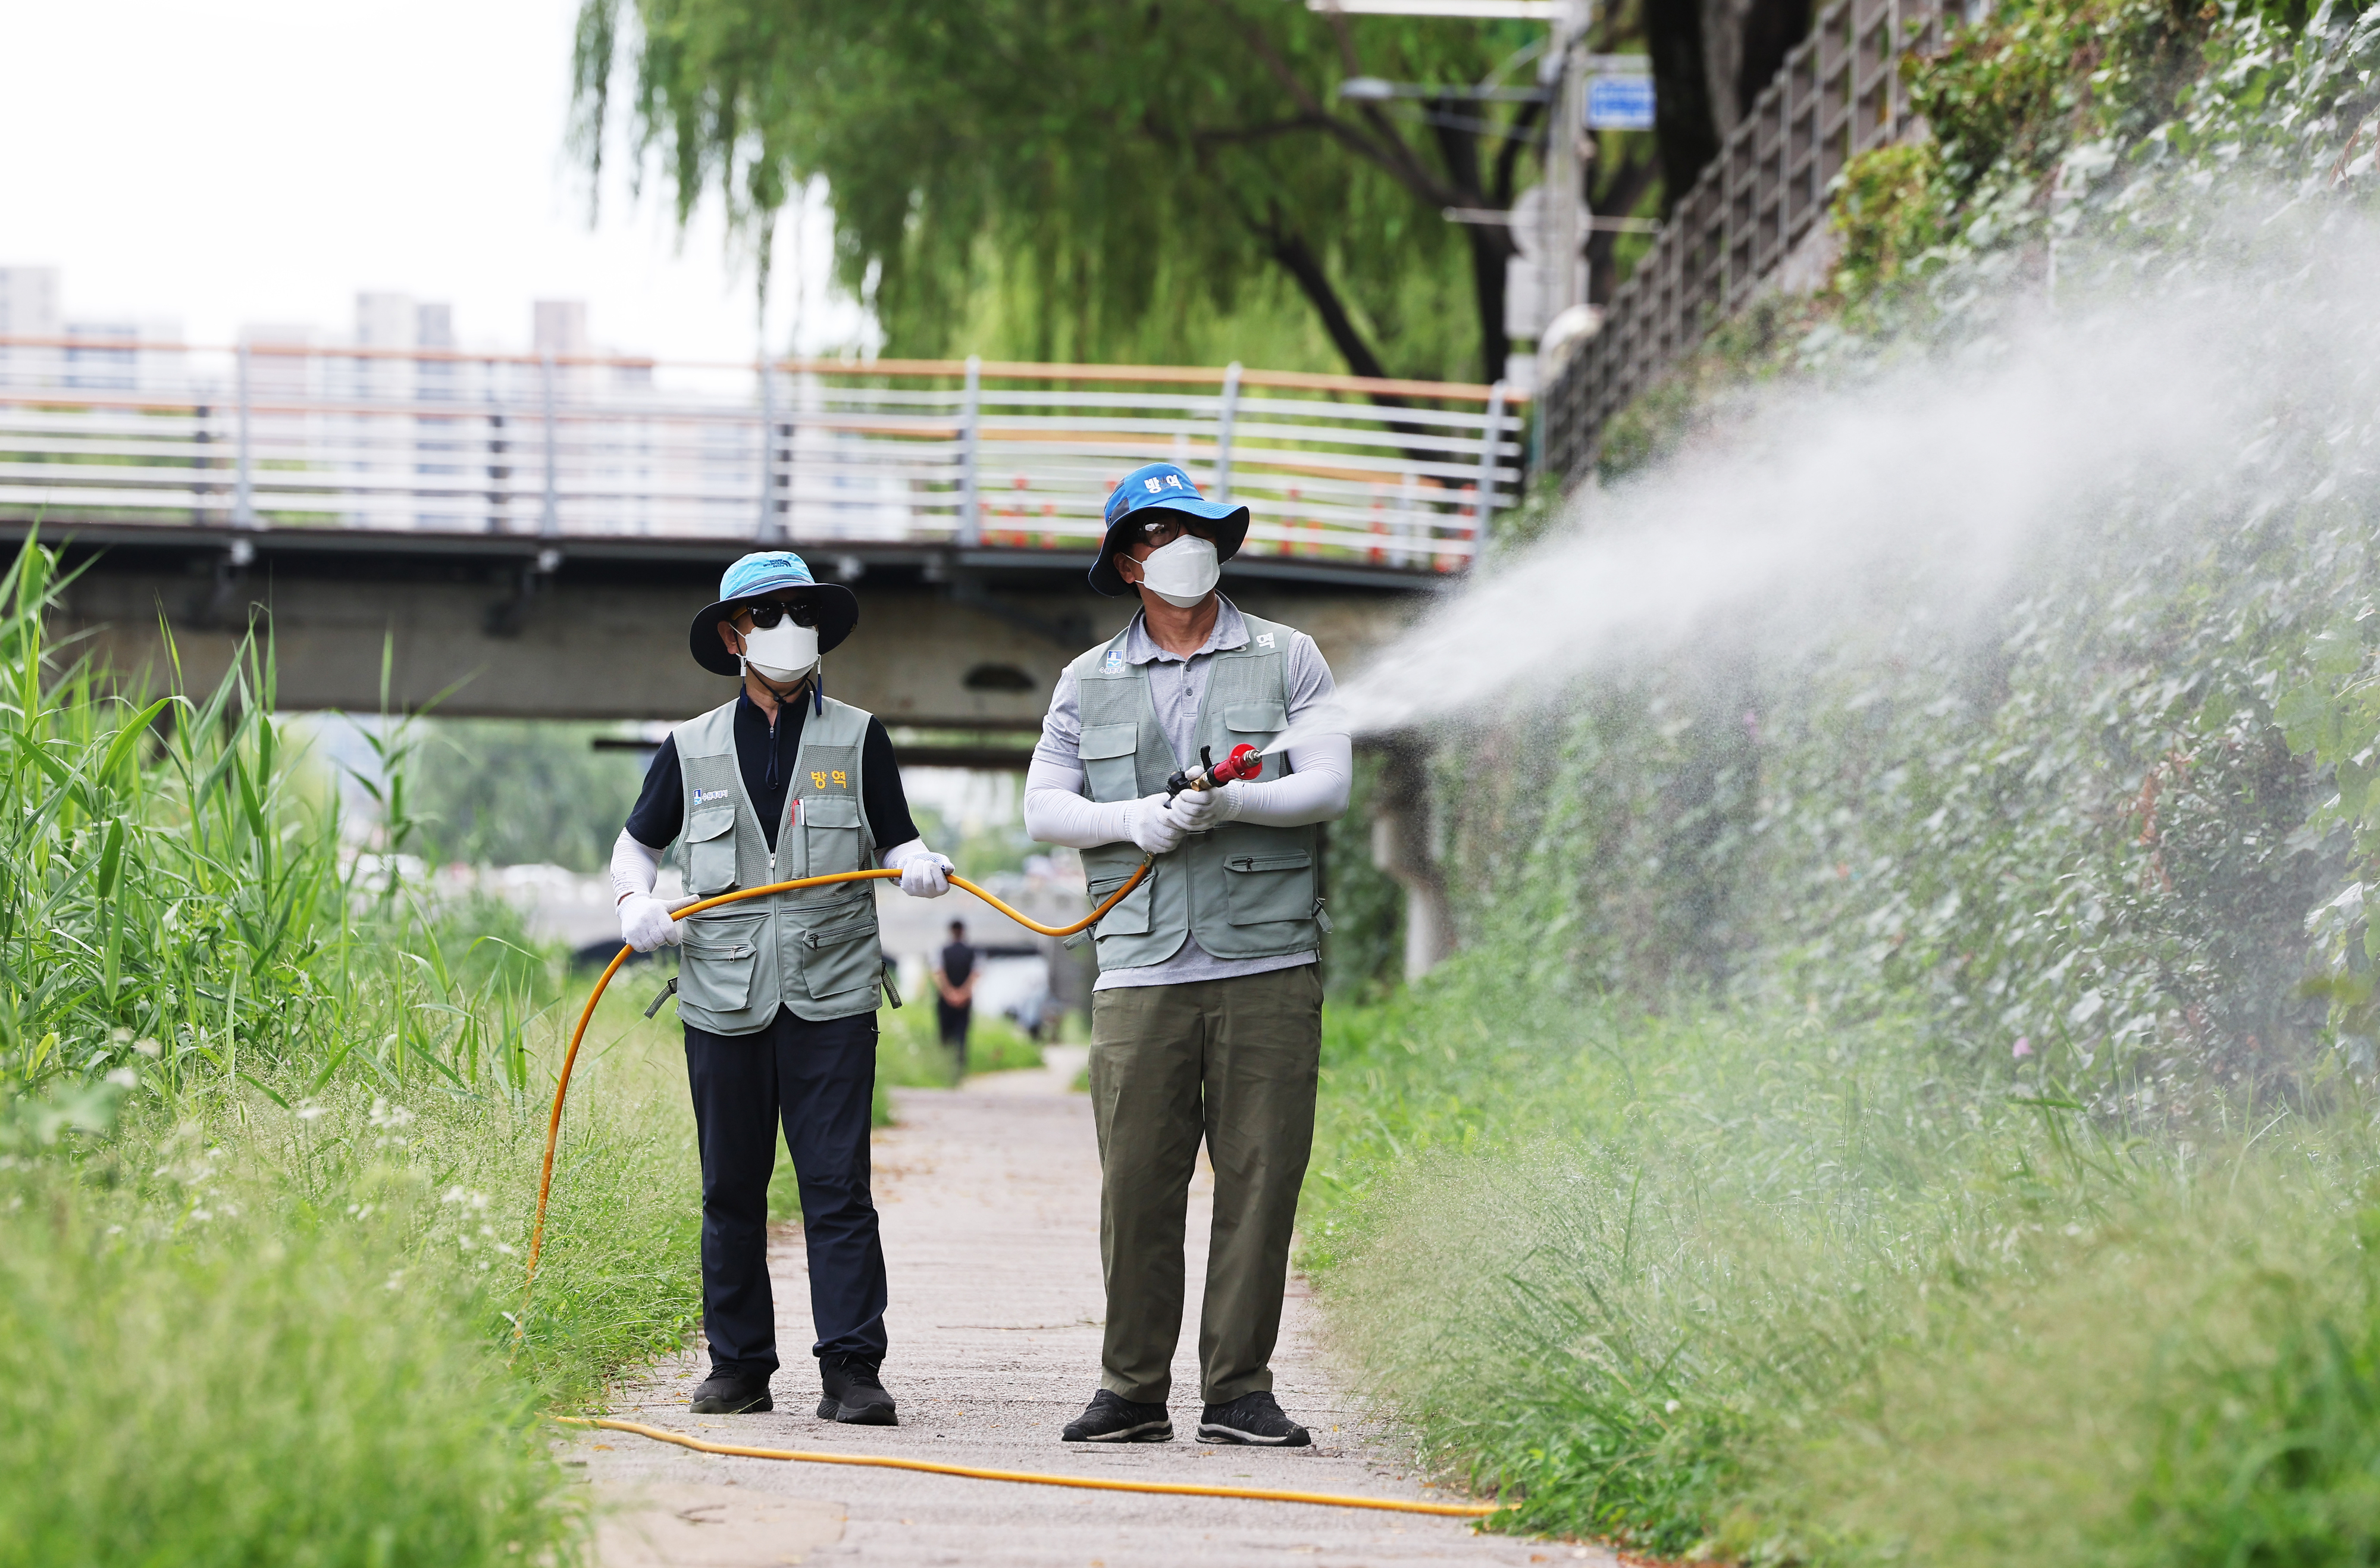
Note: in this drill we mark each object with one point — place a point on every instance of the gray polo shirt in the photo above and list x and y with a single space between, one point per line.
1177 686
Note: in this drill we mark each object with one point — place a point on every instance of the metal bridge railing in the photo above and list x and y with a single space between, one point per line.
1839 93
1399 474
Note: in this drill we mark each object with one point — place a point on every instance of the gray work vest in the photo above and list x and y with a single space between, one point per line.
814 951
1244 890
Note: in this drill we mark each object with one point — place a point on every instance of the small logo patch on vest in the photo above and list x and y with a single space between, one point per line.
1114 664
1264 639
702 795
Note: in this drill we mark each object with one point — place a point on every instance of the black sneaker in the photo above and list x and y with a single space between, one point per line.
731 1394
1251 1419
855 1395
1110 1417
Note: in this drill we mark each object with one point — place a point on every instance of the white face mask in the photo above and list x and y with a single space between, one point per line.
1184 572
783 653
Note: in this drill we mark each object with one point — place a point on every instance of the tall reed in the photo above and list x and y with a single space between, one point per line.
180 906
270 1114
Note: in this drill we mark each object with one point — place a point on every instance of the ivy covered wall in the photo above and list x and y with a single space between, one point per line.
2097 829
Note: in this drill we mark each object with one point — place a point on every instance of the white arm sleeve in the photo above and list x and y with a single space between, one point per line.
1056 810
1315 790
633 866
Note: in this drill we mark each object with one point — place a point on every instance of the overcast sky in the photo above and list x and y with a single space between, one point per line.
265 160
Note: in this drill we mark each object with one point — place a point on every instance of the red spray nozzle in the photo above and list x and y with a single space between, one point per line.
1244 762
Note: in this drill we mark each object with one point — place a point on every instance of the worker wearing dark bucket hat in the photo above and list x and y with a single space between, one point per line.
768 574
1207 1016
1162 487
779 994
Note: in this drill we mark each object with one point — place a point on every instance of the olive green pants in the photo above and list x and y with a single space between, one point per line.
1234 1060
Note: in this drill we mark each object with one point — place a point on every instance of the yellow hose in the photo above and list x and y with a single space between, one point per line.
1031 1477
1028 1477
570 1057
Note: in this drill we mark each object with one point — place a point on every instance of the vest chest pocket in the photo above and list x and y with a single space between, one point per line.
842 953
1260 887
830 834
710 851
717 971
1109 766
1258 723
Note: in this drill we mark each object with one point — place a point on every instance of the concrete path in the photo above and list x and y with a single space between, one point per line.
990 1196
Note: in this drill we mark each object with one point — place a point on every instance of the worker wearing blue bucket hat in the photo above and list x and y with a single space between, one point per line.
1149 493
779 994
1207 1016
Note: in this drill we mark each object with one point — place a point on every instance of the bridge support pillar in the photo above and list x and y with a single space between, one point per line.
1404 846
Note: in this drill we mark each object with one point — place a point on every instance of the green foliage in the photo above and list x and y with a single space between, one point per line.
1888 209
1753 348
2184 1376
270 1129
498 792
1364 953
1080 181
1753 1288
2008 97
180 910
258 1402
1883 1116
2086 822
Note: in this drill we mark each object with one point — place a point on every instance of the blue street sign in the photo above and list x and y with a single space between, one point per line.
1619 102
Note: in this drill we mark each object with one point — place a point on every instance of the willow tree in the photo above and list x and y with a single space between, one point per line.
1114 166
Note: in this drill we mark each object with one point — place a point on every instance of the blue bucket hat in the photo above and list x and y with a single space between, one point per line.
769 572
1161 486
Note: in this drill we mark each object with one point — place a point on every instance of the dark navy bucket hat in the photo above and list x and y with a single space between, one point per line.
768 574
1161 486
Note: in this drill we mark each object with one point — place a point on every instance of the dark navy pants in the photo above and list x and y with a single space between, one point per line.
819 1079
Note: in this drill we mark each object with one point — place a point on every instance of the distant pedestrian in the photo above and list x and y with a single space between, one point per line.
954 977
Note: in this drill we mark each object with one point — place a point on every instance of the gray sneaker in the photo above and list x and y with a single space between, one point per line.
1252 1419
1110 1417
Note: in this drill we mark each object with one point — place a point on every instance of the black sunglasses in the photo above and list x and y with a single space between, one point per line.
768 612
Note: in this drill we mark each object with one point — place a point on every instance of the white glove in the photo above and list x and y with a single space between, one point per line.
924 874
1194 809
645 923
1156 830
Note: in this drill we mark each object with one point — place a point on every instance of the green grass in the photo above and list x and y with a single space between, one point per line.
910 1055
282 1332
269 1135
263 1398
1751 1287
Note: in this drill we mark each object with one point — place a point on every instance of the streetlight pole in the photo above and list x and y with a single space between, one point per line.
1564 75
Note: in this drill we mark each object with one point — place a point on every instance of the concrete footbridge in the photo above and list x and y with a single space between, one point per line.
526 535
